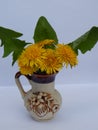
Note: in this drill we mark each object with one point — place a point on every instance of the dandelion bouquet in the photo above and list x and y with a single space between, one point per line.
46 55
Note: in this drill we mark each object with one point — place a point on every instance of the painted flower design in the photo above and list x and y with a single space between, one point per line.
42 103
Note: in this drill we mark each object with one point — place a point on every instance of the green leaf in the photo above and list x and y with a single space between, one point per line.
86 42
44 30
5 33
11 43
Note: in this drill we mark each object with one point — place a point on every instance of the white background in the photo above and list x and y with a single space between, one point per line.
70 19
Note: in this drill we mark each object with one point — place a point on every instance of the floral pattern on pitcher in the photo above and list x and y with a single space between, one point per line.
42 103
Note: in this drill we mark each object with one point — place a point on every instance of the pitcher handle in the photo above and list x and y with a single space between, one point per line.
18 82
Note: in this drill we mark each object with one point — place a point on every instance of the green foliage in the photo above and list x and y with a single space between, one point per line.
86 42
11 43
43 30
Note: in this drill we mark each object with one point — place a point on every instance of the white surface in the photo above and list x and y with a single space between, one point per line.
79 110
70 19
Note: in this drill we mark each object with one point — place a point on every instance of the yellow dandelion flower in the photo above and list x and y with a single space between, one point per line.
66 55
51 63
45 42
30 57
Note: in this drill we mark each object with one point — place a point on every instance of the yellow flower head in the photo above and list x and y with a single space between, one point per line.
30 58
66 55
51 63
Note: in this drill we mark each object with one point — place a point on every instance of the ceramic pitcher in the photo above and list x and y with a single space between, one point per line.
42 101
